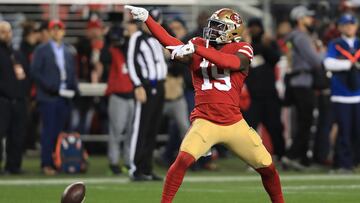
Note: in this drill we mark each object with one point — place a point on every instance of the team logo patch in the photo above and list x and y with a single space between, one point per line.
236 18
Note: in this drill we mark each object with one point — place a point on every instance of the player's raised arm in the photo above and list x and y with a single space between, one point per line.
225 26
236 62
155 28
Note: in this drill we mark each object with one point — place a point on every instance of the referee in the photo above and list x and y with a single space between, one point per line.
147 70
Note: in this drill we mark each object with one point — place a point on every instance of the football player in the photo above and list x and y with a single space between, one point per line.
219 66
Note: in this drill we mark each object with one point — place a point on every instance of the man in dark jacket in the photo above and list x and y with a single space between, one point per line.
53 70
14 88
265 105
30 39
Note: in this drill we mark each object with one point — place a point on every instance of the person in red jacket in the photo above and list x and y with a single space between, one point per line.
120 108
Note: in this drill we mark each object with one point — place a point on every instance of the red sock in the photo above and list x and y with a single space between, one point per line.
175 176
271 182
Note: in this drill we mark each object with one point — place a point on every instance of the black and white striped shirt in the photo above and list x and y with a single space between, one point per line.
145 59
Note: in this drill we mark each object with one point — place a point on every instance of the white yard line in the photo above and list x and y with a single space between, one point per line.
283 178
321 187
63 181
308 189
192 179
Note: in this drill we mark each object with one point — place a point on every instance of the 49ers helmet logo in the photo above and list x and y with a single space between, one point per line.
236 18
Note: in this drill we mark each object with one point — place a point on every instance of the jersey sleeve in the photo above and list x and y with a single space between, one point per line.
221 59
246 49
198 41
161 34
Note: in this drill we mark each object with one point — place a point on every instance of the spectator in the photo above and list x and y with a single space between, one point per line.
148 70
265 105
94 60
330 33
324 120
93 53
53 70
283 29
44 32
178 27
30 40
304 60
121 105
14 89
175 106
343 60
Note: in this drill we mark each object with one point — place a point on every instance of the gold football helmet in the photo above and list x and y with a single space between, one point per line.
224 26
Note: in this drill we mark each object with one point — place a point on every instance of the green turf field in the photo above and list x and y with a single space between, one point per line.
232 184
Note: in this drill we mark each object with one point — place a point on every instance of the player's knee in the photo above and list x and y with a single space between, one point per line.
267 172
263 161
192 148
184 160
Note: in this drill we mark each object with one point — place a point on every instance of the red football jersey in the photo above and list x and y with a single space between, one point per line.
217 91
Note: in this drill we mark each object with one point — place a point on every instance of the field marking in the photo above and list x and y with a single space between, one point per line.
192 179
321 187
308 189
63 181
283 178
130 189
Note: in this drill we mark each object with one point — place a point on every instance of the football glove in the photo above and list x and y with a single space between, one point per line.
138 13
181 50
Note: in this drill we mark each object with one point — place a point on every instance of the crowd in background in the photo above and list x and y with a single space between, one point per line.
313 121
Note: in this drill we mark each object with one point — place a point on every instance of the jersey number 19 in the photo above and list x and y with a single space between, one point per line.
225 77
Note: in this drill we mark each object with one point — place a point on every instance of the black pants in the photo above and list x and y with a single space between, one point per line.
13 115
268 112
324 124
146 124
33 124
304 101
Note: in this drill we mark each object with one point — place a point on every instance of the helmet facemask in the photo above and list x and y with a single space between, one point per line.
215 31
